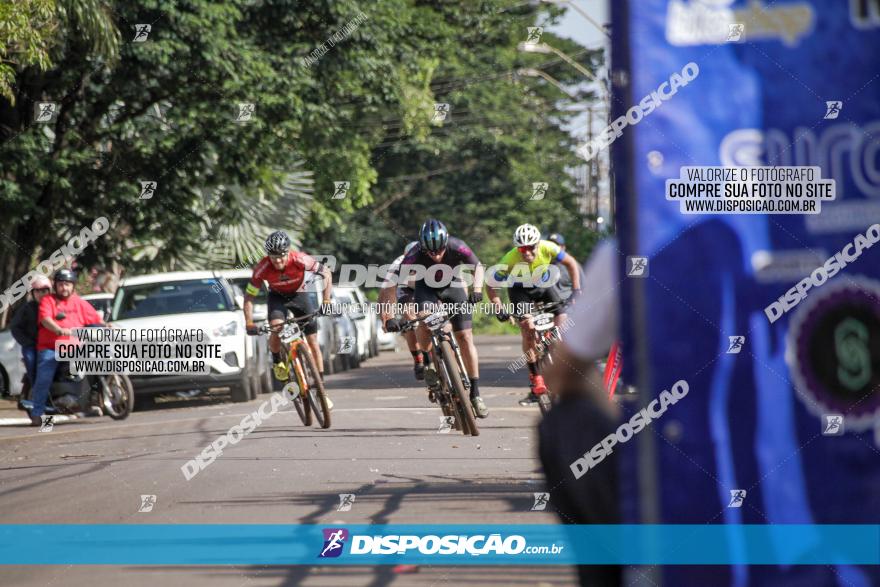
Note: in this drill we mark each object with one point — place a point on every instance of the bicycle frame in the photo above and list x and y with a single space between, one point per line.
292 350
437 336
544 339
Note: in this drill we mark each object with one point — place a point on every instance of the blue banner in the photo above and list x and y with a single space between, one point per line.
277 544
772 319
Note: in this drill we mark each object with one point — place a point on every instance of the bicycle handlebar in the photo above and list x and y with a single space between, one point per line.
266 327
542 307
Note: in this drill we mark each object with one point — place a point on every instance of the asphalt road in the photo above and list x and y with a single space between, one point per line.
384 447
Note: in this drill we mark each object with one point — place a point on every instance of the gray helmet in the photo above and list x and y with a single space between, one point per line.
433 236
278 243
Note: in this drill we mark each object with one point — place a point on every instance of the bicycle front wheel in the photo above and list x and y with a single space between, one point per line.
459 393
316 395
299 401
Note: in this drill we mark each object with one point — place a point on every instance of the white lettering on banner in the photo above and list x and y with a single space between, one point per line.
476 545
841 150
698 22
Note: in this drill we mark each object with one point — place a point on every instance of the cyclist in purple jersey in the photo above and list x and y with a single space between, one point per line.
439 255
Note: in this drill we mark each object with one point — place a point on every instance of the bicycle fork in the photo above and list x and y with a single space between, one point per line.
298 370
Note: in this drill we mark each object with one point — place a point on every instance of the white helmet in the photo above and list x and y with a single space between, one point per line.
526 235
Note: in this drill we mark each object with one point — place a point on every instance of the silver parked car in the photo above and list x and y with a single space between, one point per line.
11 365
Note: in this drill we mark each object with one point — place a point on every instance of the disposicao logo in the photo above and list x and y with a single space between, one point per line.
334 541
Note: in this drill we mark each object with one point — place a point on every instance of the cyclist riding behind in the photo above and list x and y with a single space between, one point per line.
392 292
526 270
284 270
438 250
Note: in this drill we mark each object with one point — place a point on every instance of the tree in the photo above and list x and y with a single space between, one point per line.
476 169
165 111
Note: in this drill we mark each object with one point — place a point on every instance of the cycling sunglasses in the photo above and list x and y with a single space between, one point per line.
526 249
44 290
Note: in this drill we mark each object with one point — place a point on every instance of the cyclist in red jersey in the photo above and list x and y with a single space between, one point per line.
284 271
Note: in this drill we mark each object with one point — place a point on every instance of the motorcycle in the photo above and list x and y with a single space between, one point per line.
89 395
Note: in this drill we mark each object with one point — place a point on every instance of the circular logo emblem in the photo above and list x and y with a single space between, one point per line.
833 351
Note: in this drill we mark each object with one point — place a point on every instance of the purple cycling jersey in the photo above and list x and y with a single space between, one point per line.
457 253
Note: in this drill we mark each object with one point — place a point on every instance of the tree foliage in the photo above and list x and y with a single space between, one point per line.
166 109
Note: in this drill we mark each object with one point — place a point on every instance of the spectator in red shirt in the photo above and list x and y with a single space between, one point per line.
59 313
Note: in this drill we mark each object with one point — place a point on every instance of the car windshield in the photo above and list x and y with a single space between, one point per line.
177 297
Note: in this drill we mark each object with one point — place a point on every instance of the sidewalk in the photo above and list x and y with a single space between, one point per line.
10 415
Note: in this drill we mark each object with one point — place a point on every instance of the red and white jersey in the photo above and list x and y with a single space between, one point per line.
288 280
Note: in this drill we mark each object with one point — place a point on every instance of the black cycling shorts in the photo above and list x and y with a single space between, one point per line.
522 298
405 295
426 296
300 303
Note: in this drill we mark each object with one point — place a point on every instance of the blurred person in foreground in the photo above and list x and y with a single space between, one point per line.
584 415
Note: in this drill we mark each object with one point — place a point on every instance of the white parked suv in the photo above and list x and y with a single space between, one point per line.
259 345
190 299
362 313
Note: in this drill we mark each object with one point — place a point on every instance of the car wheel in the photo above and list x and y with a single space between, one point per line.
266 379
255 380
329 367
354 357
241 391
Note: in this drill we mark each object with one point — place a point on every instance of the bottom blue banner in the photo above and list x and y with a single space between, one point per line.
227 544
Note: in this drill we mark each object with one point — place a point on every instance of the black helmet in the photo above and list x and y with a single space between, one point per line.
278 243
557 238
64 275
433 236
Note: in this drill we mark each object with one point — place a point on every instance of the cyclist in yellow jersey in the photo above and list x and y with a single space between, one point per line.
528 271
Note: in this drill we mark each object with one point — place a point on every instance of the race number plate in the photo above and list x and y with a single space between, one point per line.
543 322
435 321
289 332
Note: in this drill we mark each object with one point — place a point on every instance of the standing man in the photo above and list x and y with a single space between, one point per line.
439 252
284 271
58 315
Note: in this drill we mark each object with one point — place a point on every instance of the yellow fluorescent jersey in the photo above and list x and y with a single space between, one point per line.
514 266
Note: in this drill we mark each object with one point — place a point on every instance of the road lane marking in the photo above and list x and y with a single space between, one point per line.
56 432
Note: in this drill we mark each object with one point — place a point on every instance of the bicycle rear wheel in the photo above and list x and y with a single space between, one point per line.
316 395
459 393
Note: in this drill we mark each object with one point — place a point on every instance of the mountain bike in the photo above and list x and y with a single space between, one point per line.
546 333
312 399
455 385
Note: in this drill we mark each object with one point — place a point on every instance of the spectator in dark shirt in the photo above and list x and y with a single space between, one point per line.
24 325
